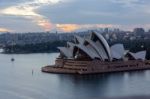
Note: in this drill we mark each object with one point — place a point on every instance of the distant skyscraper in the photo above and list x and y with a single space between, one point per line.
139 31
116 30
106 30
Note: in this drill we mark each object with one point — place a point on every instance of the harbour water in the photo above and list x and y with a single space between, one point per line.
23 79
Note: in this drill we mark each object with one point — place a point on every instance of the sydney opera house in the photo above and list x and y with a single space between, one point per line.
94 55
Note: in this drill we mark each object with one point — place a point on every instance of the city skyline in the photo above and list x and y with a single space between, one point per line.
72 15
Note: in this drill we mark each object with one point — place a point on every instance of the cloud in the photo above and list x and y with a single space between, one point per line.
126 2
4 30
134 5
49 15
75 27
67 27
78 27
28 11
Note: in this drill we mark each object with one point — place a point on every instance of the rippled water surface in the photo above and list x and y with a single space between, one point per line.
22 79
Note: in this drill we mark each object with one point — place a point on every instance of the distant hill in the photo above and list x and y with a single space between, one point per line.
35 38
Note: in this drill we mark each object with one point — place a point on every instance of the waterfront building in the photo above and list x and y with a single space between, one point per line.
94 55
96 47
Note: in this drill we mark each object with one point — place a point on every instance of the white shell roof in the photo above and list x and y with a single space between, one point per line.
79 39
65 51
93 44
70 46
104 45
117 51
92 54
98 48
138 55
92 51
101 50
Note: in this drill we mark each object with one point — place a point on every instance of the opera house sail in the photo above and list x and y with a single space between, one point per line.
94 55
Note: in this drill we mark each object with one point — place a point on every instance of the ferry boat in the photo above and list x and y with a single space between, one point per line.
94 55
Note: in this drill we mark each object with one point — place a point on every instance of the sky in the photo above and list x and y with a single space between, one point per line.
72 15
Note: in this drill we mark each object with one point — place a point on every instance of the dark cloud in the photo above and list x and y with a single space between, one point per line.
123 12
96 11
18 24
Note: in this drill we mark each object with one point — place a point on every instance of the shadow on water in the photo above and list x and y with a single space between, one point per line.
100 85
89 85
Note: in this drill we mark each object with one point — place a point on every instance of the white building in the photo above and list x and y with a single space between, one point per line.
96 47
